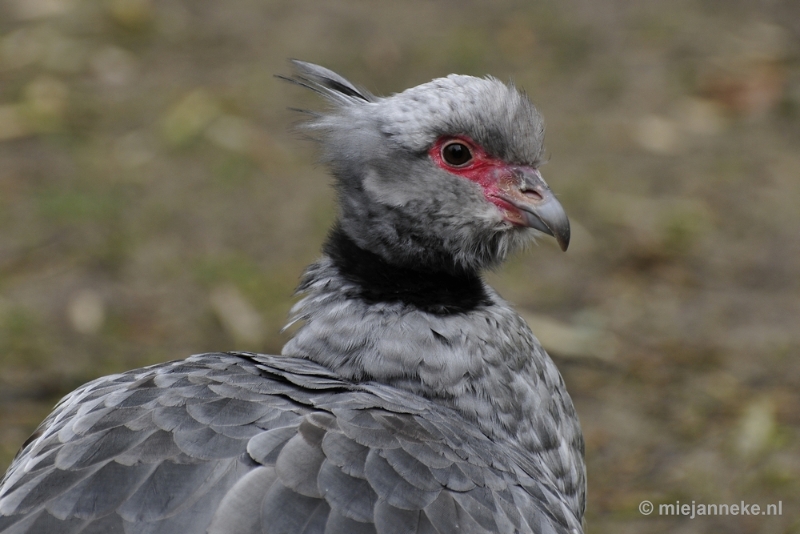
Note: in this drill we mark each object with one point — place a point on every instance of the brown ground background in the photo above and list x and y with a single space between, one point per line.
154 204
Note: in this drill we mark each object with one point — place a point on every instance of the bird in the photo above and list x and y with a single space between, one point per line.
412 398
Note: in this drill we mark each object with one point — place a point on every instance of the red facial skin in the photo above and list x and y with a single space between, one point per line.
496 177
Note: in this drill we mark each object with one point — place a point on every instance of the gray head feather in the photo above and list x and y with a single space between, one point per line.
327 83
393 200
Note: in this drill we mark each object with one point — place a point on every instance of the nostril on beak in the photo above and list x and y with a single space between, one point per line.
532 194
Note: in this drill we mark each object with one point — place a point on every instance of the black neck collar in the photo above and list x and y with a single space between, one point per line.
430 290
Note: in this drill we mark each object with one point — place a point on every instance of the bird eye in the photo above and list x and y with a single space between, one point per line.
456 154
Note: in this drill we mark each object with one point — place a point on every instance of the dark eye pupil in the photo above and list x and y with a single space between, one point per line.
456 154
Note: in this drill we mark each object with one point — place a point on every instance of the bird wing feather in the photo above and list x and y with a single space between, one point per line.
249 443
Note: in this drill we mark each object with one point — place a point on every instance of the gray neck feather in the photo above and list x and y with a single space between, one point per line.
484 363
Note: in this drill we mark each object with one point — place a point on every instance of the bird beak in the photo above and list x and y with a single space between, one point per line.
538 208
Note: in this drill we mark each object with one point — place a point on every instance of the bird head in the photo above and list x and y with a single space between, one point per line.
444 175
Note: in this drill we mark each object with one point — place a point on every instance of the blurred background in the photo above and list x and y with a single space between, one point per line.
154 203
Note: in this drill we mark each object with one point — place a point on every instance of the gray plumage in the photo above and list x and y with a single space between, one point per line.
394 409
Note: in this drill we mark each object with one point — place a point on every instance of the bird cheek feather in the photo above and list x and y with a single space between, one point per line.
379 191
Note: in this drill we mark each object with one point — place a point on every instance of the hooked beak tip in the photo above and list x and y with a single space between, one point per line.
550 219
563 239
